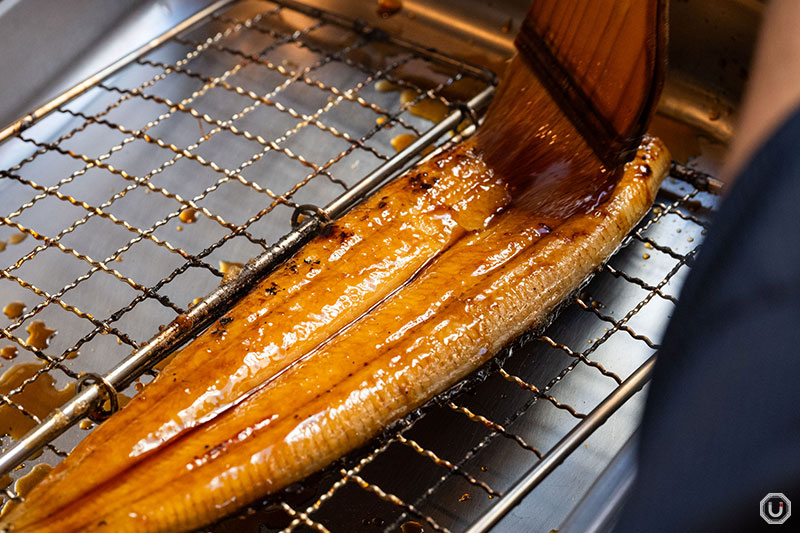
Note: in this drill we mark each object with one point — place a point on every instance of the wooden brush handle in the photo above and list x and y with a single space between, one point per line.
603 61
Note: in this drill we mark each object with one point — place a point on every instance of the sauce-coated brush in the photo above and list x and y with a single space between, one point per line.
575 101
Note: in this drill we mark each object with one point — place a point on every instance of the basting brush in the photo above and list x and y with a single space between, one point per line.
575 101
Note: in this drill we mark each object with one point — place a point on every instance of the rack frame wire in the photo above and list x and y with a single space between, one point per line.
353 471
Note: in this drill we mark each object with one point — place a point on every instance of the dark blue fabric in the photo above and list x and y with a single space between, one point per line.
721 427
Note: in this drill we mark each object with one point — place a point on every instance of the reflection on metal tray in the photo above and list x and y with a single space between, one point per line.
135 196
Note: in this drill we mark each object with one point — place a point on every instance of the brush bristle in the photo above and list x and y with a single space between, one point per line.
528 140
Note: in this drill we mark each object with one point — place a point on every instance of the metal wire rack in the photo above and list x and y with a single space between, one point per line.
263 112
456 463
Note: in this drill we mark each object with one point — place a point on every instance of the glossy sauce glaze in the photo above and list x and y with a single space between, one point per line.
336 278
576 100
530 142
299 372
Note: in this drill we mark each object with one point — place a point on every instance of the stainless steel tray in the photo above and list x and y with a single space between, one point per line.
250 114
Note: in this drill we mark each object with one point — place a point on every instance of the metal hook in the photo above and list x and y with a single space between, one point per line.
469 113
308 210
99 415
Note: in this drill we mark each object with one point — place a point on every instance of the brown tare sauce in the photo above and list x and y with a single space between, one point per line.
188 216
39 335
574 102
25 484
387 8
230 270
14 310
8 352
38 397
424 107
17 238
412 527
403 141
538 152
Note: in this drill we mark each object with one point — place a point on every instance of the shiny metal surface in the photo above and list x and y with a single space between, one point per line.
78 89
422 469
600 508
192 320
566 446
49 47
710 47
215 304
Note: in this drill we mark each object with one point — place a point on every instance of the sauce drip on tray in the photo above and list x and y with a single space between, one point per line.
39 335
38 397
14 310
25 484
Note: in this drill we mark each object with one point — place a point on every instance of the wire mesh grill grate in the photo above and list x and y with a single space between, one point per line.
448 463
195 156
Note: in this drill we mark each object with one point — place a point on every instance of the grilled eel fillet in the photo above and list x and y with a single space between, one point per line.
394 303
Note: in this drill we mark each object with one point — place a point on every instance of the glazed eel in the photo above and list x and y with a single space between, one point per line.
392 304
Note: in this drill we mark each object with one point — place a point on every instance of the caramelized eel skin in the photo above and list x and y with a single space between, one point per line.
302 373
